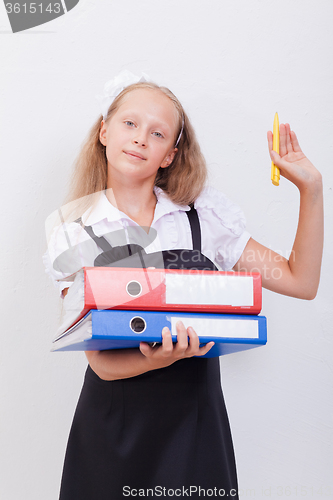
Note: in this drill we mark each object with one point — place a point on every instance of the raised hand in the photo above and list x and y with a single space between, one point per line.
293 163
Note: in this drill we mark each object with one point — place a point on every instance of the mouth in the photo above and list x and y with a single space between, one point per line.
134 154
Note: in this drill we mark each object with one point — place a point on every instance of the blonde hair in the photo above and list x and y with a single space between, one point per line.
183 180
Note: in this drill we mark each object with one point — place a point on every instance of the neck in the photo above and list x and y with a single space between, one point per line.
137 202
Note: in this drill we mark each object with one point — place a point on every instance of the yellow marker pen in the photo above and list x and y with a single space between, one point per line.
275 171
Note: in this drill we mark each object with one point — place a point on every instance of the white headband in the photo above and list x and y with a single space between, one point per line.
113 87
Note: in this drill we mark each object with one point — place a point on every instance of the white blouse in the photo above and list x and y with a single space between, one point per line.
222 223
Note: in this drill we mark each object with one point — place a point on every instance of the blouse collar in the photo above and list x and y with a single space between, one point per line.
105 210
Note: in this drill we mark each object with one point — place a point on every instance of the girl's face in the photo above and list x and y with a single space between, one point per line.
140 136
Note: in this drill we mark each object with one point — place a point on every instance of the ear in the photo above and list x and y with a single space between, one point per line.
169 158
102 133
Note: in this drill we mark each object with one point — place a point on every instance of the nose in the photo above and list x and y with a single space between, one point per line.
140 138
139 142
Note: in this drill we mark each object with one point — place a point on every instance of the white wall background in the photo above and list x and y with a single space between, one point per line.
232 64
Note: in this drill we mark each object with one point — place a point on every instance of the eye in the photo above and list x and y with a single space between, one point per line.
158 134
129 123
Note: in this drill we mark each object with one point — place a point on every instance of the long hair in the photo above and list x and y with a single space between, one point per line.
183 180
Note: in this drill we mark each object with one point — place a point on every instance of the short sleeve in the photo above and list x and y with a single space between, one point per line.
69 249
223 224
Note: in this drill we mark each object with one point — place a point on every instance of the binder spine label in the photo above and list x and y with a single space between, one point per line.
209 290
226 328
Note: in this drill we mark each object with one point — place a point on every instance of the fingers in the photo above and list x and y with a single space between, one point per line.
283 140
163 351
194 341
204 349
270 141
292 144
167 344
182 344
296 146
289 145
145 349
187 345
188 342
288 141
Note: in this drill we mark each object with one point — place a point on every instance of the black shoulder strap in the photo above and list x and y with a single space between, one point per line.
99 240
195 227
192 217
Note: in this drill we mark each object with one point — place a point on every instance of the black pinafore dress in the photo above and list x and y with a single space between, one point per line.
162 433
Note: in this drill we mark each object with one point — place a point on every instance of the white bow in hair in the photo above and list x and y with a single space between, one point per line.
113 87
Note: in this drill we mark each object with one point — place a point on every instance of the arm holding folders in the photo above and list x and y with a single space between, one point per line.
161 289
118 364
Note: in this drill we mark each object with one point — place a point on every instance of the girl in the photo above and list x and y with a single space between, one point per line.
152 421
